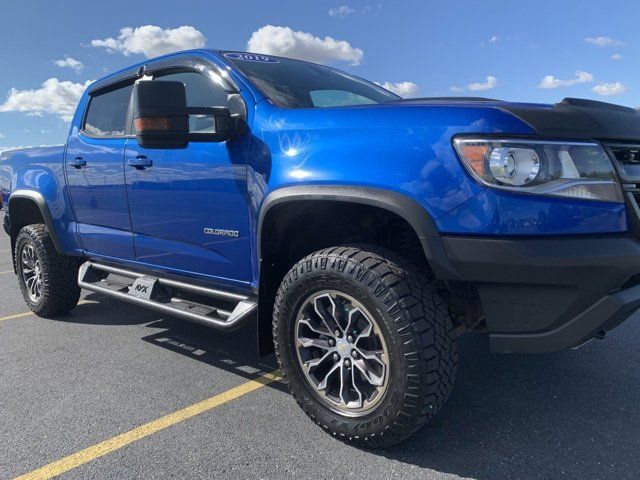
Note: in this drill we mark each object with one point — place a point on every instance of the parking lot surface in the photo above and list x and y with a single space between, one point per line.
86 382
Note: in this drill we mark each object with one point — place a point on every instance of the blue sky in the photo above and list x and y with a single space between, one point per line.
498 49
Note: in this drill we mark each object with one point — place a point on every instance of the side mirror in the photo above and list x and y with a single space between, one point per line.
161 117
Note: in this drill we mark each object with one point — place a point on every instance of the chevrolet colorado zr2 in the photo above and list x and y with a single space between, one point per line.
359 232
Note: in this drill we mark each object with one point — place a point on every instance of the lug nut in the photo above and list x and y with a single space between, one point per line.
337 333
350 339
354 354
336 357
347 363
332 342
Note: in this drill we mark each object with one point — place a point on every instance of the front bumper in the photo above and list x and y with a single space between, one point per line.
545 295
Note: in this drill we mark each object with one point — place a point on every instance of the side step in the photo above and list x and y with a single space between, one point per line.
214 308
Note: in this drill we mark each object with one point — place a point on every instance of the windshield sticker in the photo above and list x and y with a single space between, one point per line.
251 57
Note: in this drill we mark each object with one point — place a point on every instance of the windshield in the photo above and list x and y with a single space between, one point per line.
296 84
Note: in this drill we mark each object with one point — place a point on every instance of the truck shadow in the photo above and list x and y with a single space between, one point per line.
234 352
570 414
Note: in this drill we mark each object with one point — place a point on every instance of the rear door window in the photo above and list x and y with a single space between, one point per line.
107 113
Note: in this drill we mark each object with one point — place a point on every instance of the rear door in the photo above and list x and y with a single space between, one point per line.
189 210
94 165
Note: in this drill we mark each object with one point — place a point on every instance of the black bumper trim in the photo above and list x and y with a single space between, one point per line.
604 315
549 294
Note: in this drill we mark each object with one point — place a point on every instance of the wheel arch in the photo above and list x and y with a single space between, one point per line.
395 205
27 207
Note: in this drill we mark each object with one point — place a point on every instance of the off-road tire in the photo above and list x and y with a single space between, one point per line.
60 291
417 329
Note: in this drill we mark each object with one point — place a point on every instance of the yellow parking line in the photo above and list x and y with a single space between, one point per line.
88 454
26 314
8 271
17 315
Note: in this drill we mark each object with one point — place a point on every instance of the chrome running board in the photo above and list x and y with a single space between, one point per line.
218 309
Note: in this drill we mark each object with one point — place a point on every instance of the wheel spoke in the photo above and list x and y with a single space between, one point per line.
319 329
328 316
314 342
370 376
369 361
31 285
355 387
316 361
323 384
27 259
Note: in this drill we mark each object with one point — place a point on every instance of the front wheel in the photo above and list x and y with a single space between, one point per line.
48 280
365 344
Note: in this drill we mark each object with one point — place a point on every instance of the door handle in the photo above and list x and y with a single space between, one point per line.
78 162
140 162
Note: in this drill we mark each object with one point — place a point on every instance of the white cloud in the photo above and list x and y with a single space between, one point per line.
402 89
550 81
151 41
53 96
341 12
69 62
272 40
616 56
2 135
494 39
606 89
603 41
489 83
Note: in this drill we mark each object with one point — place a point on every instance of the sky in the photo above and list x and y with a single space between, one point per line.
539 51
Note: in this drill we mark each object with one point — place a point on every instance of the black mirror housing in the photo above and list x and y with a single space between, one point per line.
159 114
161 117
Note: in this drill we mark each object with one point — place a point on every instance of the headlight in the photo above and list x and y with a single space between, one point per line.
568 169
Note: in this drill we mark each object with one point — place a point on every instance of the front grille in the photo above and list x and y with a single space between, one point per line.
626 155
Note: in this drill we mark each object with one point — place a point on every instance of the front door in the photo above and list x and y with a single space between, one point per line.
189 210
95 175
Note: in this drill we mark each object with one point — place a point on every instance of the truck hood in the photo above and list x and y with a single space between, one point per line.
571 118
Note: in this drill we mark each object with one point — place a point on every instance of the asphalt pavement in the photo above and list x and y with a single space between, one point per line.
74 392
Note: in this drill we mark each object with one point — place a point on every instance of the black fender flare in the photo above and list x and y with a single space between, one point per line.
38 200
397 203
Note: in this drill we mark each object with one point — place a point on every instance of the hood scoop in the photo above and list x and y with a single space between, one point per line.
580 119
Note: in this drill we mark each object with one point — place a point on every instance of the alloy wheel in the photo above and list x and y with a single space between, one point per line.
341 352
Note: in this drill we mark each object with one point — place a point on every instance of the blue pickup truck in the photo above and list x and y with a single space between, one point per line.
361 233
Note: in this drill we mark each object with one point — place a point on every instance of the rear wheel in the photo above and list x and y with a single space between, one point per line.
48 280
365 344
